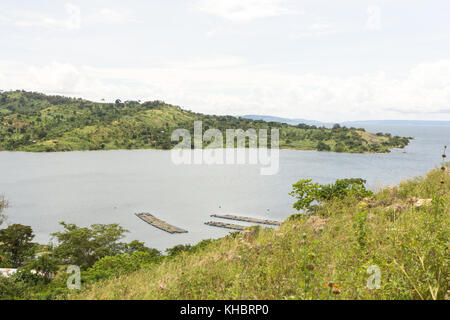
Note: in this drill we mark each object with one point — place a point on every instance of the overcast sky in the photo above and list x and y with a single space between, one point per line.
324 60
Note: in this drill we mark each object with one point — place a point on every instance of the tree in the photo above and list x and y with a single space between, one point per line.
339 147
305 191
322 146
46 265
138 246
16 245
84 246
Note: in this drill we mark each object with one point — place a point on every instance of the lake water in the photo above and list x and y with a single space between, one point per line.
110 186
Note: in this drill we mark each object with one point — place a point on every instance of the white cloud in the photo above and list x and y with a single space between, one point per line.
244 10
314 30
211 63
4 19
230 86
373 21
109 15
36 19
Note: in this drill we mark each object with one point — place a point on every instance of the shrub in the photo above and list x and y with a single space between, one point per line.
171 252
344 187
308 192
322 146
119 264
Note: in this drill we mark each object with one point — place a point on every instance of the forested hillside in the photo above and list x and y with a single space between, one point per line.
36 122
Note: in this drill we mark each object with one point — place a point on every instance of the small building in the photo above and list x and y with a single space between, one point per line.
7 272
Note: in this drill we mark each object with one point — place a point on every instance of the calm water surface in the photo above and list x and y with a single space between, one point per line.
110 186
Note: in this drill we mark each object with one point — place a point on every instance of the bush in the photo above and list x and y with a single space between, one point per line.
308 192
11 289
322 146
344 187
119 264
171 252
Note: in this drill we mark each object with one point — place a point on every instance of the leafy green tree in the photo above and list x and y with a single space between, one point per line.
16 244
138 246
306 192
84 246
45 265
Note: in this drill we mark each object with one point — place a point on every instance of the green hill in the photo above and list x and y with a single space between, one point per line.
40 123
333 253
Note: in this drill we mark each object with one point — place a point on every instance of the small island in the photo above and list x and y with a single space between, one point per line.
36 122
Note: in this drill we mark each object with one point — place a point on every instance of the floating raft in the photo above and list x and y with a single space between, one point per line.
157 223
226 225
247 219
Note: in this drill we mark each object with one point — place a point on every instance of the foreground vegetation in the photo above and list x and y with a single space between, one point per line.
42 270
331 250
330 253
40 123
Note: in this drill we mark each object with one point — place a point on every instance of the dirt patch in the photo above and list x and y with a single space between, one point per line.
316 222
409 203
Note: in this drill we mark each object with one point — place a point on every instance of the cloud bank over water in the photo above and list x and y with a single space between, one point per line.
231 86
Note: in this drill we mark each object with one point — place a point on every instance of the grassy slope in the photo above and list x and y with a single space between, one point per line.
36 122
295 261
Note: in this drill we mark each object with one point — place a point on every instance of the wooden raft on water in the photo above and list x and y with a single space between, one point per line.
247 219
157 223
226 225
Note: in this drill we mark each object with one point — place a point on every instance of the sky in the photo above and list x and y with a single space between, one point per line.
323 60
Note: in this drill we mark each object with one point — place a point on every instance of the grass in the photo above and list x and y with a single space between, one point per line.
324 256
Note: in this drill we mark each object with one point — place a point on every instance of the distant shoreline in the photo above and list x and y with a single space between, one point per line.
295 121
